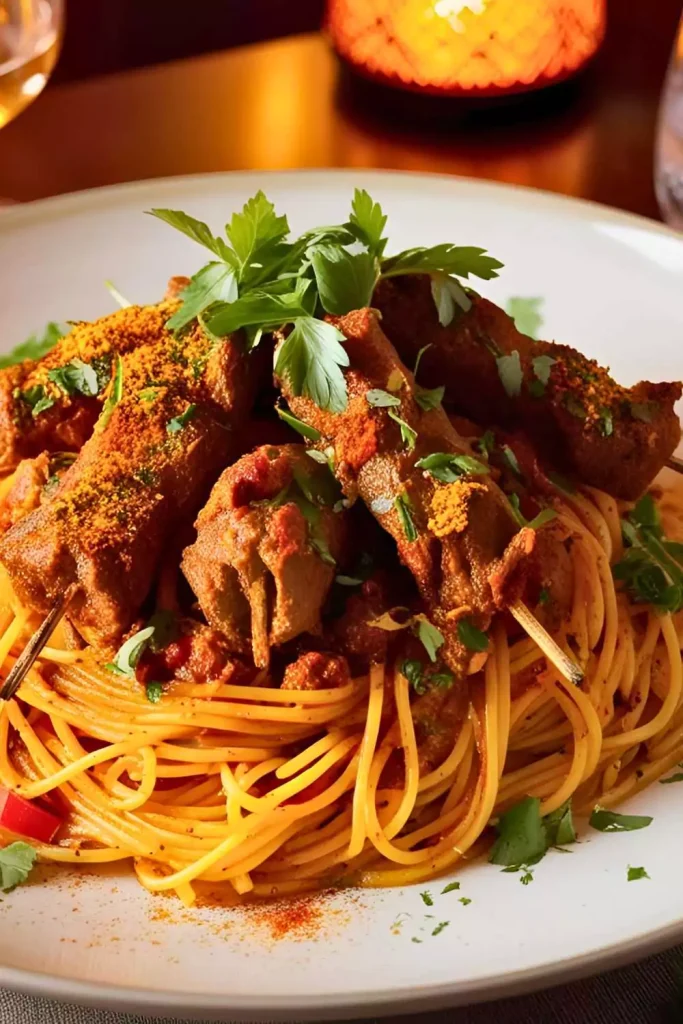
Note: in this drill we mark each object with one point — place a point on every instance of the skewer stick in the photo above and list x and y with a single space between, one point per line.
36 644
673 462
553 652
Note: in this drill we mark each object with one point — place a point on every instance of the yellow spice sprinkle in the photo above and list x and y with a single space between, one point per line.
449 507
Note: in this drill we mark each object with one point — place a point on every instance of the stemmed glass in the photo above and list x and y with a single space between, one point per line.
30 37
669 149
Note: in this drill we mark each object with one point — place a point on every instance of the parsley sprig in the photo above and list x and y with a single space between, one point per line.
652 567
261 281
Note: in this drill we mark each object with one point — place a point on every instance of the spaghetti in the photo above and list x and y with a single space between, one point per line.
274 791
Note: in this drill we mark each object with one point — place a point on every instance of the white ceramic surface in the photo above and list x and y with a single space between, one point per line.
613 286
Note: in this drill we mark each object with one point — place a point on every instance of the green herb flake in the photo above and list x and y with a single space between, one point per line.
114 397
526 312
465 901
379 399
471 637
408 435
526 878
154 692
36 346
635 874
522 837
676 777
606 423
541 365
440 927
37 400
310 433
75 377
427 898
418 358
486 444
129 654
610 821
416 940
510 459
451 887
510 373
402 504
178 422
413 670
310 358
428 400
16 863
428 635
449 297
447 468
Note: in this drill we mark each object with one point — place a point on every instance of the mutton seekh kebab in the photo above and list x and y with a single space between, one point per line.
343 695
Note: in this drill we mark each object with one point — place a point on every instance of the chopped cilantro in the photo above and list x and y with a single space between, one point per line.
310 433
611 821
526 312
427 898
427 399
510 373
465 901
36 399
471 637
16 863
178 422
154 692
451 887
402 504
114 396
447 467
381 399
635 874
428 635
408 435
75 376
440 927
524 837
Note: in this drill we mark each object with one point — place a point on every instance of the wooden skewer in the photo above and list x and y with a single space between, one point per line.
36 644
673 462
553 652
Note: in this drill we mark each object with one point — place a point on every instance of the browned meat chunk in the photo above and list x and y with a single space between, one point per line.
66 419
317 671
145 470
267 544
576 416
453 536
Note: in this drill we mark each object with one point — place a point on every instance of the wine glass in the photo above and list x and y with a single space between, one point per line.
669 149
30 37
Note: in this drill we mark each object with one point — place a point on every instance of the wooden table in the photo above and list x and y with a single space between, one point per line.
280 104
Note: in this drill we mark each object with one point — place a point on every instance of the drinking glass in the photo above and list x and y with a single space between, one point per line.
30 37
669 150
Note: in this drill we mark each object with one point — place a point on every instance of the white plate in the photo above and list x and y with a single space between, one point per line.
613 286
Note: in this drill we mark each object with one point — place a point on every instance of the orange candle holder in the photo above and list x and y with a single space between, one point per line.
478 48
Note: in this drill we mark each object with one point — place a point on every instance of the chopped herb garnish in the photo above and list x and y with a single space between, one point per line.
526 314
148 394
75 376
471 637
610 821
451 887
486 443
16 863
178 422
465 901
524 837
527 877
402 505
154 692
443 680
416 940
296 424
114 396
408 435
418 359
635 874
166 629
129 654
510 373
676 777
440 927
449 297
541 366
652 567
510 459
381 399
427 898
428 635
447 468
36 346
37 400
546 515
427 399
606 423
413 670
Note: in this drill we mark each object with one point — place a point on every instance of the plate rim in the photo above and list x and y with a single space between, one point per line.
331 1004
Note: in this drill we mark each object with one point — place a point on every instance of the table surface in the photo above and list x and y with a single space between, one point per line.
284 104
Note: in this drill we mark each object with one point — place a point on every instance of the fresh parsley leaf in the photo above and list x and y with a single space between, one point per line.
440 927
521 838
652 567
216 282
510 373
541 366
527 877
471 637
256 234
75 376
154 692
429 399
426 898
310 359
448 294
610 821
676 777
635 874
606 423
116 295
197 230
402 504
36 399
465 901
526 312
408 435
451 887
559 826
114 396
381 399
429 636
486 443
367 222
257 309
462 261
129 654
34 347
413 670
178 422
345 280
448 468
296 424
16 863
